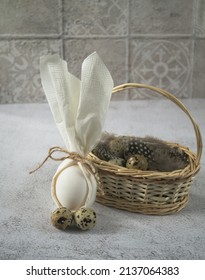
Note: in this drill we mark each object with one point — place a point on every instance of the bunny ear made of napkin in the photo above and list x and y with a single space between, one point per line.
62 90
79 107
95 94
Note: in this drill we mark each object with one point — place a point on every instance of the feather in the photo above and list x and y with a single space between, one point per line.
157 153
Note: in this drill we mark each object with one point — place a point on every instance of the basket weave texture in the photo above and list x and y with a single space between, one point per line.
149 192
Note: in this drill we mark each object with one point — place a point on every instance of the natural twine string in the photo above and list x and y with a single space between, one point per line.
76 158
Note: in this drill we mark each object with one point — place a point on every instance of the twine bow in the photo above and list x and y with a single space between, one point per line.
76 158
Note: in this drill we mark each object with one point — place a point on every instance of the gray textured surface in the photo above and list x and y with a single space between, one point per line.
91 18
26 133
157 42
199 69
159 19
19 69
26 17
162 62
199 19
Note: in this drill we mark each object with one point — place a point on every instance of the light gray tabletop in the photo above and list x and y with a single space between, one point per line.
26 133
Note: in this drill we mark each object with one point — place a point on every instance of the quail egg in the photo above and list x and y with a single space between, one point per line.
85 218
61 218
137 162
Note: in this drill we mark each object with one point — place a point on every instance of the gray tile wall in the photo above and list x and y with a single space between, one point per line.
158 42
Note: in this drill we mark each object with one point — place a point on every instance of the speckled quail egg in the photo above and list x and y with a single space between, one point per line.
137 162
85 218
62 218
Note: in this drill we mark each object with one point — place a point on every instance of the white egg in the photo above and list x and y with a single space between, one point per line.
71 188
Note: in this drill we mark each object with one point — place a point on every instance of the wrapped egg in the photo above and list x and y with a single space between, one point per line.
73 186
85 218
62 218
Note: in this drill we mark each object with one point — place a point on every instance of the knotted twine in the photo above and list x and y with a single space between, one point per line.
77 158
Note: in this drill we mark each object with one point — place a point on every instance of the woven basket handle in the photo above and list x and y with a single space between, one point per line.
174 100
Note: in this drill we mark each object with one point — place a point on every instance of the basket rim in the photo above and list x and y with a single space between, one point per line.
189 171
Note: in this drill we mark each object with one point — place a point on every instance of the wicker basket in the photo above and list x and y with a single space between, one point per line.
149 192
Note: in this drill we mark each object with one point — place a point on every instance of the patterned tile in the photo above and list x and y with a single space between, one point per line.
19 69
94 17
199 27
30 17
112 51
103 26
162 63
199 69
161 16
